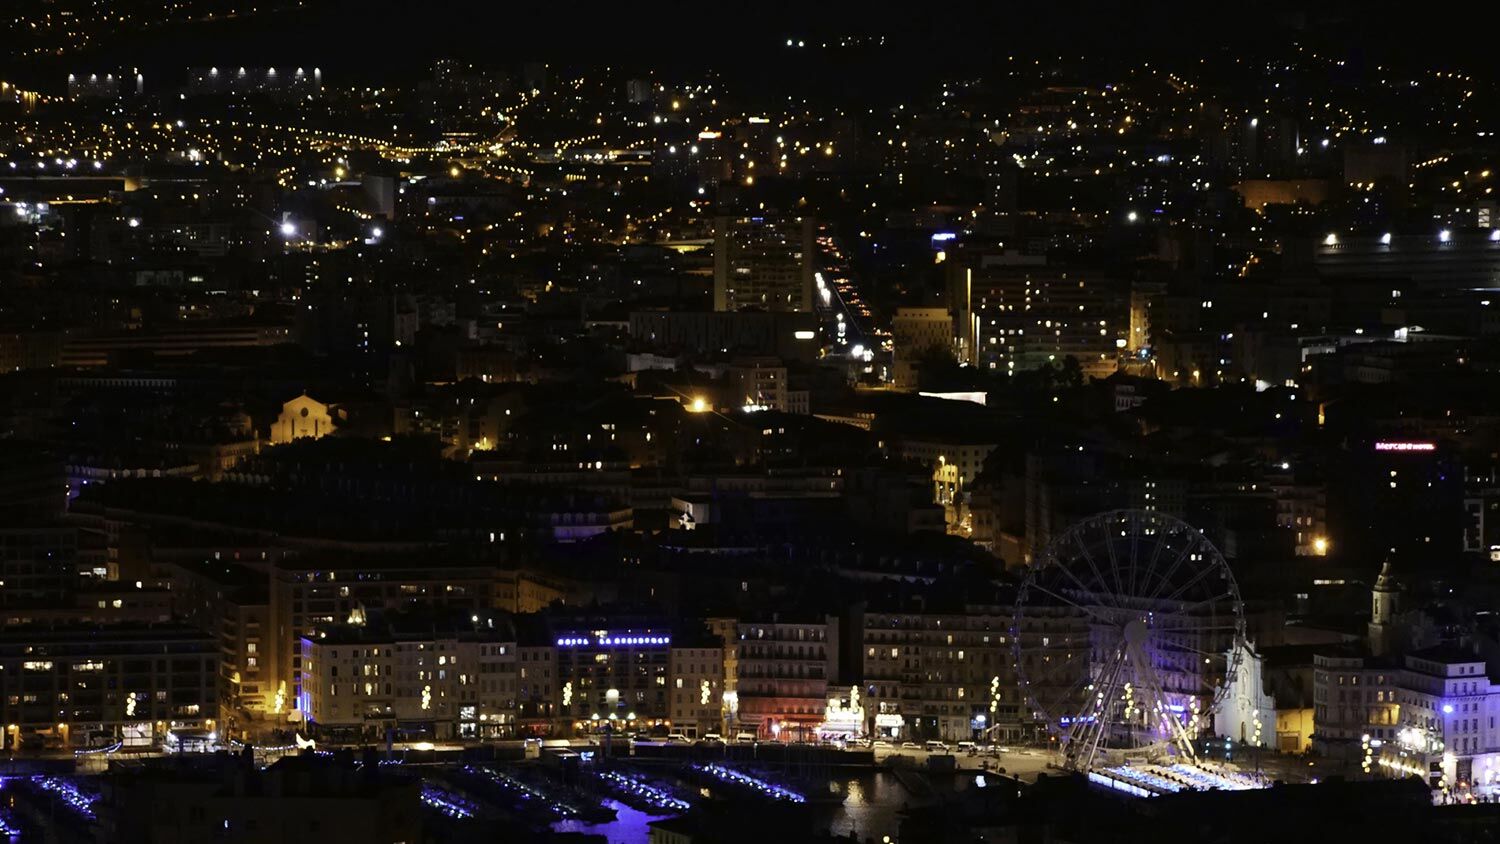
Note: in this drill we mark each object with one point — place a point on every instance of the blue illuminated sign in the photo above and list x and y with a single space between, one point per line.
612 640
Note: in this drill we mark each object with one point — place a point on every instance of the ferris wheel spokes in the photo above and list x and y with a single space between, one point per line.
1202 573
1059 596
1147 647
1187 609
1176 564
1103 705
1163 710
1103 589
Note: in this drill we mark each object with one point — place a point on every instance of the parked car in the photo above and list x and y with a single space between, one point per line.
678 738
880 744
910 745
744 738
935 746
968 747
712 738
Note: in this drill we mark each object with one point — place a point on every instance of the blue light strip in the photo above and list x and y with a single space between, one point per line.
74 798
8 830
521 789
447 802
769 789
657 797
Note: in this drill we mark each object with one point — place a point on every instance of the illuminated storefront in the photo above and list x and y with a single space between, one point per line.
844 718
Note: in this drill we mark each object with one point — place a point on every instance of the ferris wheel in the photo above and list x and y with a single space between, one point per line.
1127 629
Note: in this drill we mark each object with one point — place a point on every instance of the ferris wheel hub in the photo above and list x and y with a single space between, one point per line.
1135 632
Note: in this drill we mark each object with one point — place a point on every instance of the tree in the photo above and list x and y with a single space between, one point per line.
1069 372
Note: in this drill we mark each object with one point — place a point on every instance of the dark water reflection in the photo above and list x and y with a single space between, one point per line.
628 827
871 807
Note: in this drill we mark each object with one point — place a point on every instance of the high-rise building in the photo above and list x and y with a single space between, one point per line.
1014 313
786 667
1429 712
697 693
69 684
265 609
445 676
33 487
758 382
940 675
638 91
786 336
1441 259
763 263
918 332
39 565
613 678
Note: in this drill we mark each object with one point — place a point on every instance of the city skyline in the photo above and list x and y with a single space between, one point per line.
674 424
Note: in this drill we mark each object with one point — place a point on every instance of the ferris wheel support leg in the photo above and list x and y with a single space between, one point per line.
1103 705
1081 725
1074 728
1154 686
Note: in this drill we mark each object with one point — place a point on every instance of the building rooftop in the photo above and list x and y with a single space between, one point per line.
1446 654
38 636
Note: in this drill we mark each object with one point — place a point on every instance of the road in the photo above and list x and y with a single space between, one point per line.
1025 764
